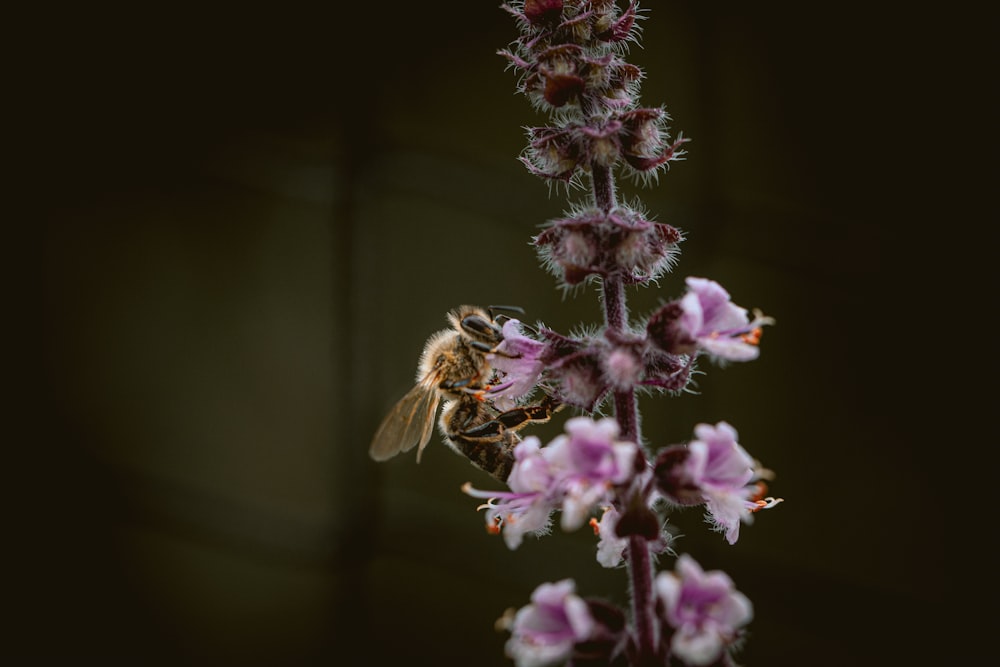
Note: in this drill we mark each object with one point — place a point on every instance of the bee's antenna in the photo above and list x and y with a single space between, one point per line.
500 319
509 309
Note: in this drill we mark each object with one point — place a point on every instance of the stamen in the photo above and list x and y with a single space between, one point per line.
753 337
469 490
767 503
760 319
595 524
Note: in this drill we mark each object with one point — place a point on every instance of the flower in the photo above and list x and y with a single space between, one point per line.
590 461
528 506
545 631
576 473
704 609
715 470
706 320
518 357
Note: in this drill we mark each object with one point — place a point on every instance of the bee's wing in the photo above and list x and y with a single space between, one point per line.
407 425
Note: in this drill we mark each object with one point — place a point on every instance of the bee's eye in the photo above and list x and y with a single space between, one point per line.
481 327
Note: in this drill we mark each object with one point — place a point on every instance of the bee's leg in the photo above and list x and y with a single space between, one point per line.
472 387
483 347
490 444
514 420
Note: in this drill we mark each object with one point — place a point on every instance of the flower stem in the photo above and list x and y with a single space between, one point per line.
603 183
627 413
640 570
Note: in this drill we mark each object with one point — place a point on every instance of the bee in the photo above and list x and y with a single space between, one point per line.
455 368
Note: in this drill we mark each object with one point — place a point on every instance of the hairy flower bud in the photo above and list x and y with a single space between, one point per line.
539 12
672 479
626 245
667 334
581 383
553 153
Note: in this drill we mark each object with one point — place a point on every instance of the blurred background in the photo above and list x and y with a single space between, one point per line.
255 219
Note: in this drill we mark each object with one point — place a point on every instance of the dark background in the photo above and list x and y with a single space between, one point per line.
255 217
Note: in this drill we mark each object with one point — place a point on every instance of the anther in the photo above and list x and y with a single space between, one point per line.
767 503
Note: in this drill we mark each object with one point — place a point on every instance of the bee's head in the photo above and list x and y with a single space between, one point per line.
476 324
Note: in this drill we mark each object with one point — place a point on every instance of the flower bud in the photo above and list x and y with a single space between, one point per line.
581 383
540 12
622 369
672 478
666 333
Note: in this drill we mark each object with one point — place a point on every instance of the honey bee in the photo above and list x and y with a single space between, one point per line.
454 367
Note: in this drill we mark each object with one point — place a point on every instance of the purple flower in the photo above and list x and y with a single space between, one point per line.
703 608
518 357
576 473
545 631
705 319
715 470
590 461
528 506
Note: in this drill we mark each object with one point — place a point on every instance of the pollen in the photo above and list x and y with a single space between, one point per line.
753 337
595 524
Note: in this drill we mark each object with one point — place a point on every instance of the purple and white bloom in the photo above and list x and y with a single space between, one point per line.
704 609
576 472
590 460
519 358
706 320
715 470
591 450
724 472
545 631
528 507
719 326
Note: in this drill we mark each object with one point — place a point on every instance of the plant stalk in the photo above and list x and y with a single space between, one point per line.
640 567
